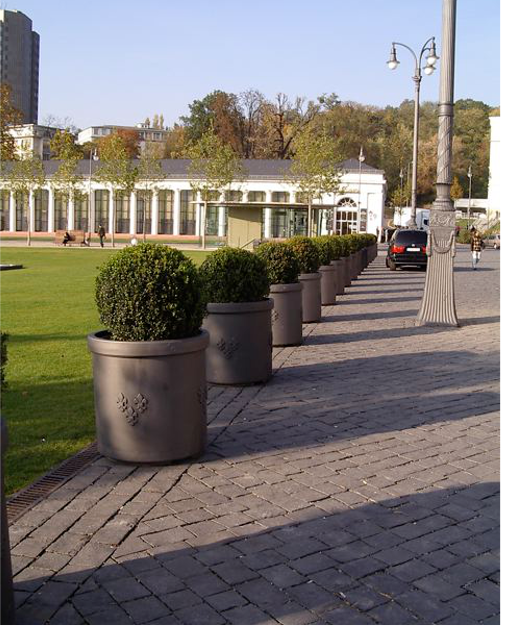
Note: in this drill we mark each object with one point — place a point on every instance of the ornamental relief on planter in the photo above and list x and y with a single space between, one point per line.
228 348
275 316
132 413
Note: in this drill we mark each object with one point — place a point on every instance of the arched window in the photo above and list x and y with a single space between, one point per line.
347 202
346 216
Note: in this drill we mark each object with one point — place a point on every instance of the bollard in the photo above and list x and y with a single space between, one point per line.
6 588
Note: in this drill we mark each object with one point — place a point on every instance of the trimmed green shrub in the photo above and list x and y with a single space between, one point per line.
3 358
340 246
150 292
234 275
307 254
281 262
326 249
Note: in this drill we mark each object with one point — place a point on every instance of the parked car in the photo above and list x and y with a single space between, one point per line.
493 240
407 248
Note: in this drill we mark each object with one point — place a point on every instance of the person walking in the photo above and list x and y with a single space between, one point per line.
101 233
476 246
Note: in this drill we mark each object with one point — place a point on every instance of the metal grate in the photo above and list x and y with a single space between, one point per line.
23 500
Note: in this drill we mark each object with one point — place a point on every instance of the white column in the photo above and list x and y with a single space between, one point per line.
51 210
12 212
245 196
132 213
198 214
31 210
177 211
110 212
154 212
267 222
70 212
293 196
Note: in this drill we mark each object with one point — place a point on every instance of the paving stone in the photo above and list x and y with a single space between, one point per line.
126 589
67 615
144 610
201 614
392 494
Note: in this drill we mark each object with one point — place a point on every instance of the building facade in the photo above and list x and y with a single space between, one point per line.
146 134
495 194
33 139
266 204
19 62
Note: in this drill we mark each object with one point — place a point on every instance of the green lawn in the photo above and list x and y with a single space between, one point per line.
48 309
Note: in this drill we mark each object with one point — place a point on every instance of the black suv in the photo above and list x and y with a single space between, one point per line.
407 247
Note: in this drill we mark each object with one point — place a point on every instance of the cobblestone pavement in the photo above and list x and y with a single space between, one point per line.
359 486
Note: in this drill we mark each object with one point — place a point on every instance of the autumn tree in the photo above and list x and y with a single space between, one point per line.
130 139
456 191
213 168
9 116
117 170
68 154
315 167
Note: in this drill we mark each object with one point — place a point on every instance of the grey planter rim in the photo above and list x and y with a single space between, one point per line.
327 268
311 276
3 437
240 308
281 288
98 342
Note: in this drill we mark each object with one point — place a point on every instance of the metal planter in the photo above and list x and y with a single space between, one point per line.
286 317
311 295
150 398
328 284
340 275
240 350
6 588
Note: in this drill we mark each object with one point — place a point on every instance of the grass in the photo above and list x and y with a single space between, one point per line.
48 309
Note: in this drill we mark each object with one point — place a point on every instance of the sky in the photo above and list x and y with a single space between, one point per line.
119 61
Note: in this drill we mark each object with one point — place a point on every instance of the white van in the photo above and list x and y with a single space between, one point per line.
402 218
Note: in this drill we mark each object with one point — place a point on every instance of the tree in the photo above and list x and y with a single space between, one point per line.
213 168
315 167
25 177
129 138
148 171
456 191
9 116
176 143
116 171
65 150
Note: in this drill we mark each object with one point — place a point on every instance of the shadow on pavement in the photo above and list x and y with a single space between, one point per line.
426 558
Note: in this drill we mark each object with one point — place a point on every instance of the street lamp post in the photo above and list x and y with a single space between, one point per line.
438 303
430 48
401 195
361 159
92 157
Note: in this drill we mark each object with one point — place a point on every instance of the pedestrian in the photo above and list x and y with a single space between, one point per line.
476 246
67 238
101 233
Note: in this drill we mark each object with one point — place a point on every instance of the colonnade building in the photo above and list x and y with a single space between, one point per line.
265 204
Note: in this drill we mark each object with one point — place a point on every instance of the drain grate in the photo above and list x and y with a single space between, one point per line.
23 500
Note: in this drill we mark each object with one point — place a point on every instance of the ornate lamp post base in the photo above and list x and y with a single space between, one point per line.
438 303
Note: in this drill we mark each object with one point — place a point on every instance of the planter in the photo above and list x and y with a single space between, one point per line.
328 284
6 588
349 260
286 317
240 350
150 398
340 275
364 258
311 297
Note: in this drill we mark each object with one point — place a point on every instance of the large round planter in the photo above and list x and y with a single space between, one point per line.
6 588
311 295
240 351
328 284
364 258
286 317
350 270
340 275
150 398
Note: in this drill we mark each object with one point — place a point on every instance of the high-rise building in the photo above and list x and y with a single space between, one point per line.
19 62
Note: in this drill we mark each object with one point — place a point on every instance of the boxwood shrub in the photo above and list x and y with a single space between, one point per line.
281 262
307 253
234 275
150 292
3 358
339 246
325 245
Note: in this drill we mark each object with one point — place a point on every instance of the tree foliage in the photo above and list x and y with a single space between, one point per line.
9 116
